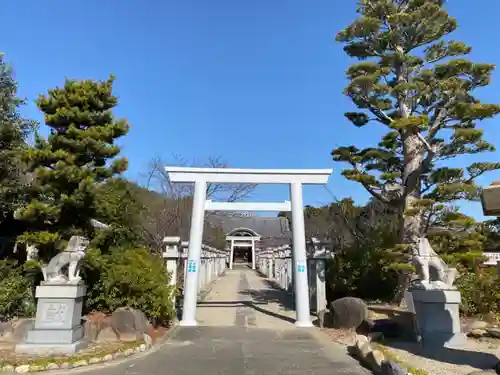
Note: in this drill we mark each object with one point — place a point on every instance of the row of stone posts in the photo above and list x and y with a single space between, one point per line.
212 263
277 265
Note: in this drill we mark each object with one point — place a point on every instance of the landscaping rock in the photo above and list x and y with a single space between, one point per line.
477 333
80 363
22 369
493 332
142 347
147 340
374 359
107 334
36 368
391 368
362 347
477 324
20 330
107 358
129 322
130 337
364 351
5 330
365 327
94 360
128 352
8 368
348 312
90 330
52 366
497 368
65 366
361 340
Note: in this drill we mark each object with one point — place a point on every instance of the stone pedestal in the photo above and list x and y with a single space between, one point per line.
58 325
438 317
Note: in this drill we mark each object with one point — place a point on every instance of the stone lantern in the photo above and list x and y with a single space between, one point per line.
490 199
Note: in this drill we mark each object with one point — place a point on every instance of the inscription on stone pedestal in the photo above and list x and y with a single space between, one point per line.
54 312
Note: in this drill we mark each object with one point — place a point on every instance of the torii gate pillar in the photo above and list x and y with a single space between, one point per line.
295 178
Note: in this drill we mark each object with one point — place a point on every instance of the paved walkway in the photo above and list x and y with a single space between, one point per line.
245 328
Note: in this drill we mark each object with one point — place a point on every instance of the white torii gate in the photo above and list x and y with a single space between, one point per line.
295 178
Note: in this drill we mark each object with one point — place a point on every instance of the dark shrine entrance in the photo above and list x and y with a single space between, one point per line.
242 255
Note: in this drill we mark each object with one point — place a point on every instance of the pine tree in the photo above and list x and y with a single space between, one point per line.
419 85
13 132
457 238
69 165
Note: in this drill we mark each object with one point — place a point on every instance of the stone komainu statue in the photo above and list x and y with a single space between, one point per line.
69 260
433 272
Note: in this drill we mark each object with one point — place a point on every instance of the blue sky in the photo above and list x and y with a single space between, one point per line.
258 83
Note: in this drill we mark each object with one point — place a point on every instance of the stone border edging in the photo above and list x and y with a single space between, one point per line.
374 358
89 362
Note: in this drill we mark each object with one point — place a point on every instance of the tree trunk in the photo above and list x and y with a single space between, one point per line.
404 278
411 219
414 152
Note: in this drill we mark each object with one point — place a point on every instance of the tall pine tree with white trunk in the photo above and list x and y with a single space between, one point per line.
416 81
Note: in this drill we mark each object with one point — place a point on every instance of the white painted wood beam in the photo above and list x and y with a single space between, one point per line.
248 176
248 206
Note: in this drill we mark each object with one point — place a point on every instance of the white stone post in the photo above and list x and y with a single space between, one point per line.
231 255
194 252
207 268
171 255
299 257
201 278
270 267
211 267
321 255
253 254
320 284
289 272
184 255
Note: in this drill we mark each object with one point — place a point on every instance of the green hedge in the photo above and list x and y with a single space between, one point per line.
129 277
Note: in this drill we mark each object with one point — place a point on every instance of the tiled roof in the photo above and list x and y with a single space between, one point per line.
274 231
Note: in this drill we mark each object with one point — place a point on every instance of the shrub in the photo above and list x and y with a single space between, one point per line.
354 272
16 297
129 278
480 292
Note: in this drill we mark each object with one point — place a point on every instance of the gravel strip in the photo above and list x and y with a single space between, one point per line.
477 355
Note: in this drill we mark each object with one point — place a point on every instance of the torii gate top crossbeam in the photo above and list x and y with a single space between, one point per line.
248 176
